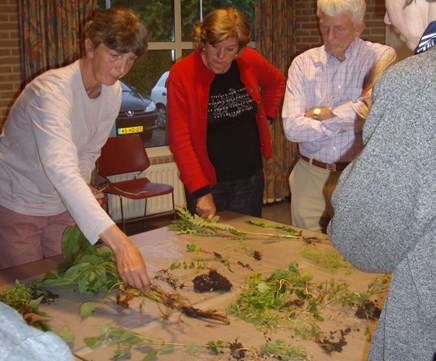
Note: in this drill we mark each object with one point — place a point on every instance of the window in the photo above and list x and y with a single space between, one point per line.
169 24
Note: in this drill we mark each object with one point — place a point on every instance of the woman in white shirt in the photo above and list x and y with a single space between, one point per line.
51 140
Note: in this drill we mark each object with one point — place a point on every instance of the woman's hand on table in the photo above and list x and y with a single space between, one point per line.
130 263
206 206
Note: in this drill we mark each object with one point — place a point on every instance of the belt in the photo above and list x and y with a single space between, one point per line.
333 167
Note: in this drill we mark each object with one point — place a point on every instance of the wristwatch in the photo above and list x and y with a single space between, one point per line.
316 113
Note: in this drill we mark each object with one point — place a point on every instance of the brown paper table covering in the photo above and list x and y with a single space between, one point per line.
160 249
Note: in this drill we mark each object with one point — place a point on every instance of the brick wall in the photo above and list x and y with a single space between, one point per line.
10 79
308 35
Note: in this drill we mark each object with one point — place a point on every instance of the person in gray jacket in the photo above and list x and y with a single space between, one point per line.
22 342
385 213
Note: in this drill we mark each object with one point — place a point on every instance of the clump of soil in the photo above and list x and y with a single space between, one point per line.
334 341
213 281
368 311
245 265
257 255
237 350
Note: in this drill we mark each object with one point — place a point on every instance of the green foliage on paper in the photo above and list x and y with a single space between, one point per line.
126 341
26 299
292 298
280 350
330 260
265 224
67 335
89 267
87 308
275 300
215 347
187 223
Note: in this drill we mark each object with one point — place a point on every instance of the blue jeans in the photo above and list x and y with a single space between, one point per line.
243 195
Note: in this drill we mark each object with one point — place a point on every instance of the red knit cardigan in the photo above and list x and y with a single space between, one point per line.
188 96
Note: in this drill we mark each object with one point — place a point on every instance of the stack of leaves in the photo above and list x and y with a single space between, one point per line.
90 267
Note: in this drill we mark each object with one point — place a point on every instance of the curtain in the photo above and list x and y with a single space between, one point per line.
51 33
275 39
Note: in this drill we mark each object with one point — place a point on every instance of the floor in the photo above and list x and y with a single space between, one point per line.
278 212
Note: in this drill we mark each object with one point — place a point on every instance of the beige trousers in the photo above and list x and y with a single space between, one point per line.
311 192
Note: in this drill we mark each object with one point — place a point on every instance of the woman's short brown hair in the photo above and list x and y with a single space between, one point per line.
120 29
222 24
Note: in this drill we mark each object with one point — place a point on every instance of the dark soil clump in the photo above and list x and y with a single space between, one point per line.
212 281
257 255
368 311
334 341
237 350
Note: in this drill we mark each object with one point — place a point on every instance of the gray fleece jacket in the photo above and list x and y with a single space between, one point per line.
385 208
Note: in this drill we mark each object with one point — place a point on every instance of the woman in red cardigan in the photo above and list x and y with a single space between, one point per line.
220 99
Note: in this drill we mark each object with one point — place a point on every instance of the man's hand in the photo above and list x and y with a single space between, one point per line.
325 114
205 207
130 264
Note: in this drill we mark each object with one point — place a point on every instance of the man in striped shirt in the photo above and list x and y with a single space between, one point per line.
327 98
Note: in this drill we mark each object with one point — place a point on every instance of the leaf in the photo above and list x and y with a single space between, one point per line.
74 243
151 356
92 342
35 303
216 347
67 335
166 349
265 224
191 247
87 308
263 287
191 348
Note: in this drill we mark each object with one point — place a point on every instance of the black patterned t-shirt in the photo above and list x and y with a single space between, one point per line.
232 134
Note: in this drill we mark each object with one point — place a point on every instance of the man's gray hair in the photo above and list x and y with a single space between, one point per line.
356 8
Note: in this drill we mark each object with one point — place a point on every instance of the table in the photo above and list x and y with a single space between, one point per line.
162 248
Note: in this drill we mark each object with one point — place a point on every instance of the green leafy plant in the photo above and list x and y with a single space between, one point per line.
126 341
123 340
26 298
290 297
274 300
215 347
264 224
90 268
186 223
358 299
280 350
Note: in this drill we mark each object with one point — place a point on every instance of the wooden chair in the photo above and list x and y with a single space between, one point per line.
127 154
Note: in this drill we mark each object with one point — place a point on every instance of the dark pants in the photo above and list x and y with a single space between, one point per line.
243 196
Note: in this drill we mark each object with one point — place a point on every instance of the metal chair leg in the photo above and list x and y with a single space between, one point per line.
174 208
122 215
145 213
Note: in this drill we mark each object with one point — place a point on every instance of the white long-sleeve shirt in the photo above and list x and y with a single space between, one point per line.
49 145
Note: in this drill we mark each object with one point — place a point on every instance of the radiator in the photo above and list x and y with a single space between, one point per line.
167 173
